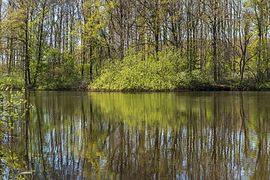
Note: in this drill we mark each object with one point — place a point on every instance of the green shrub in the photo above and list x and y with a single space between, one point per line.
133 73
11 82
11 113
194 80
56 76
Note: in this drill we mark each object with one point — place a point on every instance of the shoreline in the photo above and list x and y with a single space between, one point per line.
200 89
194 88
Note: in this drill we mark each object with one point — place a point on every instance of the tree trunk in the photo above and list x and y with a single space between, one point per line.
27 55
38 66
214 47
91 63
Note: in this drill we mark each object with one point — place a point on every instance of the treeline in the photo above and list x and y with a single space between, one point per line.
63 43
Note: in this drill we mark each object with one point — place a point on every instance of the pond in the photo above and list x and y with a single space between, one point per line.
185 135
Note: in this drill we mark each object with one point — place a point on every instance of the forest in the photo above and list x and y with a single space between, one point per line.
135 44
59 57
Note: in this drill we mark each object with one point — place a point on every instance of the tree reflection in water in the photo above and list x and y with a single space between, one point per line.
147 136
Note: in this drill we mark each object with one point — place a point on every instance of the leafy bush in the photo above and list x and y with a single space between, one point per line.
263 86
133 73
11 82
56 76
11 113
194 80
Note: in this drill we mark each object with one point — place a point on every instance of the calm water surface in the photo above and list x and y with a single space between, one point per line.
73 135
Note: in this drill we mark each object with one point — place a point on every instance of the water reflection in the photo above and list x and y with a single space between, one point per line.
147 136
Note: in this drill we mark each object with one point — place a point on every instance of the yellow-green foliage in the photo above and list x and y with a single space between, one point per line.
11 113
11 81
134 73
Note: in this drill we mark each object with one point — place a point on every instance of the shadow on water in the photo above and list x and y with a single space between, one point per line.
70 135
